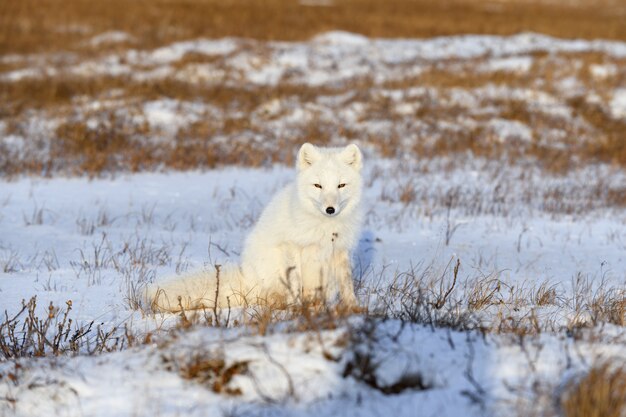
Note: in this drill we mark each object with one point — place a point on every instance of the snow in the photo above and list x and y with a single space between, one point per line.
512 227
20 74
514 64
341 38
169 115
506 129
177 50
618 103
331 57
110 37
603 71
519 243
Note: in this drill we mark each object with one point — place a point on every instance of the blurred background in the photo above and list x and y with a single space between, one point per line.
50 25
102 86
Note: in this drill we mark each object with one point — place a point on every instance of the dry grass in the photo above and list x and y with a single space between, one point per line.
29 333
245 135
611 146
118 142
609 307
545 295
455 299
600 393
48 25
209 369
276 313
451 298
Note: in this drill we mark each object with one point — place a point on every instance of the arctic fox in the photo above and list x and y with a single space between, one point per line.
299 248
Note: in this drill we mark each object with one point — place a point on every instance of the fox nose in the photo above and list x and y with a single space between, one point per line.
330 210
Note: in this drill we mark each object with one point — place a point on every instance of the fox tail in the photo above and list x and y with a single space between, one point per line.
221 287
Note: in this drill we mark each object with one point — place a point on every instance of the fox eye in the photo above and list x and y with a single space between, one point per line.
341 185
317 185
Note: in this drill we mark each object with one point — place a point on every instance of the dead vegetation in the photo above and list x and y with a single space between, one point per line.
62 114
450 298
445 298
479 306
209 369
37 26
601 392
29 333
236 127
120 139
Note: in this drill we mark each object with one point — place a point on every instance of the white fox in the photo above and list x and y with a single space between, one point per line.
300 247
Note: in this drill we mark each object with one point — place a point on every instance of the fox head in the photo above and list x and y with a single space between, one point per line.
329 179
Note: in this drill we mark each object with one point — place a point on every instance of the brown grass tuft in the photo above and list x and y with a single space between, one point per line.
600 393
544 295
609 307
53 333
212 371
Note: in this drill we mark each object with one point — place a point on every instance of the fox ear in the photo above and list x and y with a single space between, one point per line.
352 156
307 156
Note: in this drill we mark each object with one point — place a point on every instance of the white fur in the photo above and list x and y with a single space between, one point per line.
296 249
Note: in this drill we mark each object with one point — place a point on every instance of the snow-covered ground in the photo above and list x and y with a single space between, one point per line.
326 58
89 240
538 299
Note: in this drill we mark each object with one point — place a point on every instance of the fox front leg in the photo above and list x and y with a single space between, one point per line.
343 277
313 277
